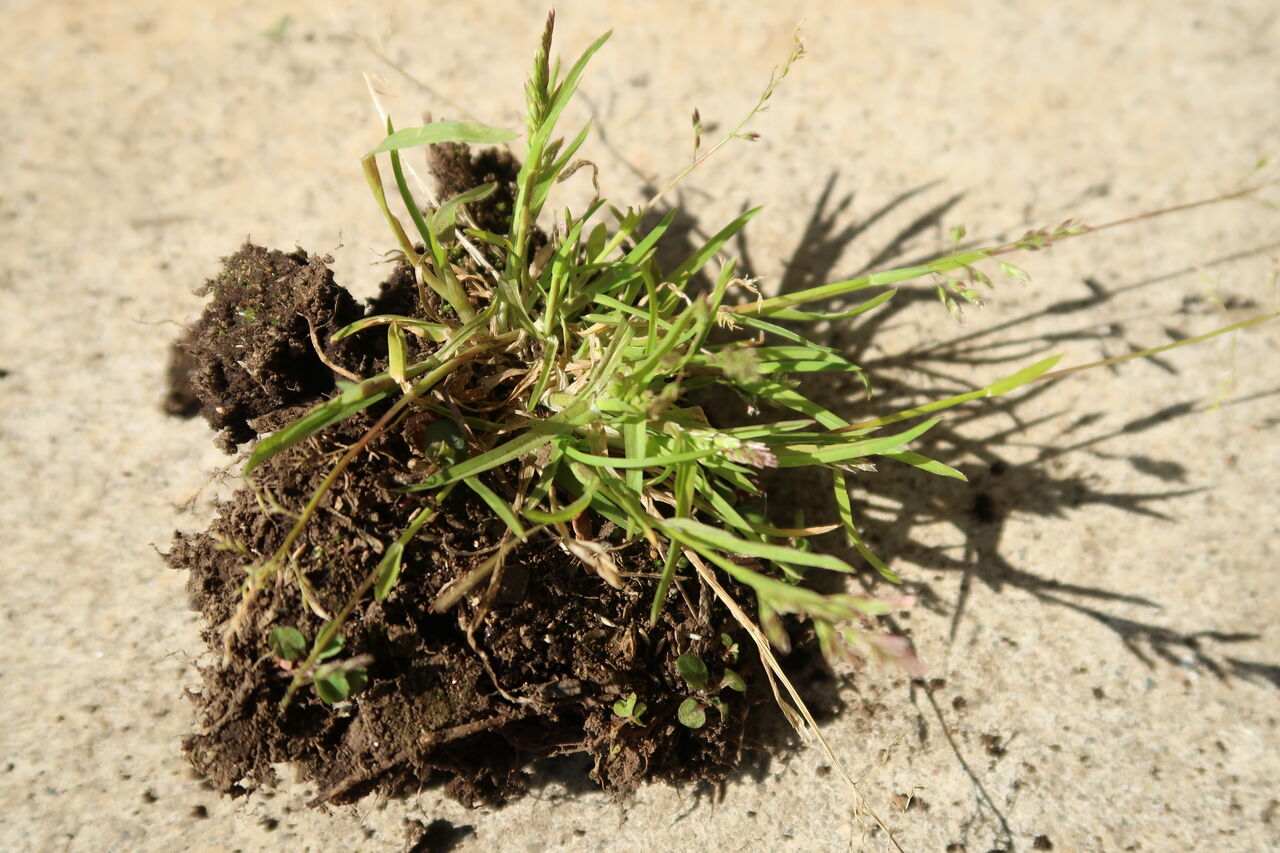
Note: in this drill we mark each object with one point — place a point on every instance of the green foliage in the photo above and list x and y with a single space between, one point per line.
613 342
730 647
630 708
338 681
691 714
693 671
608 343
733 681
334 680
388 570
287 643
442 131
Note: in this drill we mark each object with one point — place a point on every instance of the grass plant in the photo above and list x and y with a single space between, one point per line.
608 350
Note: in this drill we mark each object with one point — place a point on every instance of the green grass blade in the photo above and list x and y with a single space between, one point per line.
563 514
445 218
1022 377
802 455
374 178
637 254
628 309
1000 386
500 507
324 415
664 581
535 436
543 187
421 328
763 430
773 329
924 463
388 570
643 372
550 349
1157 350
845 509
767 307
635 442
390 564
807 366
397 353
786 397
626 463
815 316
722 508
698 259
443 131
552 474
898 275
442 281
608 365
801 359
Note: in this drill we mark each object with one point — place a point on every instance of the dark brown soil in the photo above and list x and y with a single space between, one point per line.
252 353
458 168
538 674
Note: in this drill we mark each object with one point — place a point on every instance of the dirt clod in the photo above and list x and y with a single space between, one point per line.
468 697
263 341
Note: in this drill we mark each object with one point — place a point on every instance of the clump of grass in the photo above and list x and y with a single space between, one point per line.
606 348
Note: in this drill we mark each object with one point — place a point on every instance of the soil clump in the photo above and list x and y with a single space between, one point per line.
528 666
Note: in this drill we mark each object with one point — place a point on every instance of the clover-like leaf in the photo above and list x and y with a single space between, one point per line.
630 708
625 707
333 686
691 714
693 671
332 647
287 643
357 679
336 682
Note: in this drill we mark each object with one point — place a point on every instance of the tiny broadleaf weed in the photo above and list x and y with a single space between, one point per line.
733 681
287 643
693 671
630 708
691 714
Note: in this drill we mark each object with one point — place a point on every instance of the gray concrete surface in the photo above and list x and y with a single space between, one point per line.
1078 700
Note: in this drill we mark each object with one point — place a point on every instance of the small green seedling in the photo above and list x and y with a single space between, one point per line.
692 711
691 714
730 647
630 709
693 671
443 442
335 681
288 643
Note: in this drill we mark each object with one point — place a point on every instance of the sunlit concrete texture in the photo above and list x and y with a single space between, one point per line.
1098 606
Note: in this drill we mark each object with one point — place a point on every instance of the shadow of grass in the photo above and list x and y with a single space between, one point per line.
985 438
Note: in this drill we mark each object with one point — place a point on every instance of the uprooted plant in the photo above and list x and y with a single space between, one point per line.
550 376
